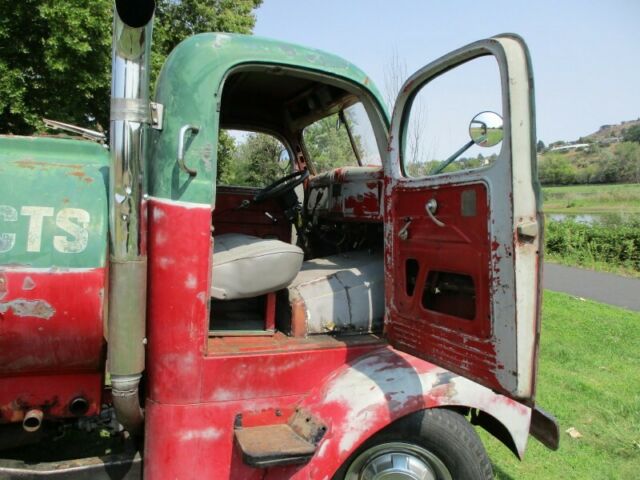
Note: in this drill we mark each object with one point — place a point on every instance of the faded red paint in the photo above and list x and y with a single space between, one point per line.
462 246
363 205
228 218
50 393
62 331
51 340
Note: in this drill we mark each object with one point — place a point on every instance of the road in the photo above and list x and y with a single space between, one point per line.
602 287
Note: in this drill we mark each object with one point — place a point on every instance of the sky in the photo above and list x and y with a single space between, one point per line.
586 54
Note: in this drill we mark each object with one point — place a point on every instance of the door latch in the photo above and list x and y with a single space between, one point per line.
527 231
403 234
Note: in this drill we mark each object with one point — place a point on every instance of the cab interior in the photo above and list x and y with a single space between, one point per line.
297 224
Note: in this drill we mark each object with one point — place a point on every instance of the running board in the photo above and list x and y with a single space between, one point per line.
291 443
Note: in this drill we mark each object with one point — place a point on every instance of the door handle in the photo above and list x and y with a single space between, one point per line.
432 207
181 147
404 231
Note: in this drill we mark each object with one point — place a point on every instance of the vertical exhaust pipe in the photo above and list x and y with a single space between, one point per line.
129 122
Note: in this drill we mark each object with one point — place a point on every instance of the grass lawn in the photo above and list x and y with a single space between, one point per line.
592 198
589 378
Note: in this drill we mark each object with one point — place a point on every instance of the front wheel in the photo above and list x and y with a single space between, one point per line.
435 444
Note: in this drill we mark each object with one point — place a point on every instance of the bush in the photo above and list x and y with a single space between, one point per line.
589 244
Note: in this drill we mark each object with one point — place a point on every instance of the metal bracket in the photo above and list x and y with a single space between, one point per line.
527 231
157 115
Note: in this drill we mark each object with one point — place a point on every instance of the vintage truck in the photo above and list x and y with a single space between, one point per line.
139 294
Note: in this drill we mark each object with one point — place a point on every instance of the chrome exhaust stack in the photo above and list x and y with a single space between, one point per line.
129 122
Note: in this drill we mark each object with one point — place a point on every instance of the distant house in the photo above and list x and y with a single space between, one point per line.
573 146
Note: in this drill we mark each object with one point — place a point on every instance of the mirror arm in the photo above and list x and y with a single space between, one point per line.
450 160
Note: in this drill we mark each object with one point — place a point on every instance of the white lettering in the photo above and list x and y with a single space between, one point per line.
78 230
7 240
36 216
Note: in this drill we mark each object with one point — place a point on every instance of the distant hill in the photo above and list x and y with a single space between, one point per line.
601 157
610 131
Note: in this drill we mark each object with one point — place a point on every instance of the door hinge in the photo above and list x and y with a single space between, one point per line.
157 115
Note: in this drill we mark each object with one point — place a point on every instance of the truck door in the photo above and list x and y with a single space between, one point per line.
463 233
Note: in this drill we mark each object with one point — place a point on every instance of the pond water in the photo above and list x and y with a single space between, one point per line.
611 218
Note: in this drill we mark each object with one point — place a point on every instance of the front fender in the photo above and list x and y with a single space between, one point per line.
362 398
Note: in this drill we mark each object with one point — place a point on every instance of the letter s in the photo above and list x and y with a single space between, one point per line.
78 229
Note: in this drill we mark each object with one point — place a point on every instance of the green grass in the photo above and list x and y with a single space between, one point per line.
592 198
589 378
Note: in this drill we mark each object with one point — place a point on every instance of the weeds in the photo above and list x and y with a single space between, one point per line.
594 245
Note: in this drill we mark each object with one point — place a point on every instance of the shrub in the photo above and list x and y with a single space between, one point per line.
586 244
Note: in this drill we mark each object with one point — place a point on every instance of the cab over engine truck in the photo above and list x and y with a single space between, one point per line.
349 321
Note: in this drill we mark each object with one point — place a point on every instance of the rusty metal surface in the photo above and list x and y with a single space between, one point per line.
126 466
545 428
272 445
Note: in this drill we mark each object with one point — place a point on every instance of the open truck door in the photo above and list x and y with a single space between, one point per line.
462 261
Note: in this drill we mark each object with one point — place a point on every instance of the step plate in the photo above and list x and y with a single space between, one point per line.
273 445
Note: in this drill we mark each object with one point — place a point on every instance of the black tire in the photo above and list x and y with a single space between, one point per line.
436 443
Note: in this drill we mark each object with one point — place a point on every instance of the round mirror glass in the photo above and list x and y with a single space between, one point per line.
486 129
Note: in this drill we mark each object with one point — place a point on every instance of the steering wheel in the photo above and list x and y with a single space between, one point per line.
281 186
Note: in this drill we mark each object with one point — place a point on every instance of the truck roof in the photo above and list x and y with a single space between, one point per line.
207 57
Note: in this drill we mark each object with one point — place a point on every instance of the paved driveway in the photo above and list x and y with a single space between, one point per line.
602 287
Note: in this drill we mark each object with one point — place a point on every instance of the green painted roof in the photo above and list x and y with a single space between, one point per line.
188 87
211 55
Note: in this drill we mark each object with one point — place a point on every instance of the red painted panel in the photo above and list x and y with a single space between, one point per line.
177 435
282 372
49 393
461 246
179 249
51 321
228 218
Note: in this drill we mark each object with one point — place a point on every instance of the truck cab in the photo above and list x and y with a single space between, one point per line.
319 303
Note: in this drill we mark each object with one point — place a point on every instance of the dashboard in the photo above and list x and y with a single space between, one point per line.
347 193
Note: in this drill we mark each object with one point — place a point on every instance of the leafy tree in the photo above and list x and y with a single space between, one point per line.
628 160
540 146
632 134
256 159
329 147
55 55
555 169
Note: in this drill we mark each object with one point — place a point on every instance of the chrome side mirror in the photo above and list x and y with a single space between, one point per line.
486 129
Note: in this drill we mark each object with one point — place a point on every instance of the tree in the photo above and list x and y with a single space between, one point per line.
395 74
540 146
632 134
328 144
555 169
55 56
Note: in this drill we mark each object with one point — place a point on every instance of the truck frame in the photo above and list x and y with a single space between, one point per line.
230 351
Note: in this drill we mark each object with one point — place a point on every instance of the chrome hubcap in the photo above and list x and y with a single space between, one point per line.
397 461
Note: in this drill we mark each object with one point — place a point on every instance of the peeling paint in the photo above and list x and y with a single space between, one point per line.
28 308
191 282
28 283
204 434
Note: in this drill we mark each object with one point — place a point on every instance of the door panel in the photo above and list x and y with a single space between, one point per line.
463 246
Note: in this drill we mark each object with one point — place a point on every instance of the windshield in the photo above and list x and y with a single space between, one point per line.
342 140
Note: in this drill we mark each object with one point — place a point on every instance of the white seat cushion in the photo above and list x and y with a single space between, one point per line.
341 293
245 266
